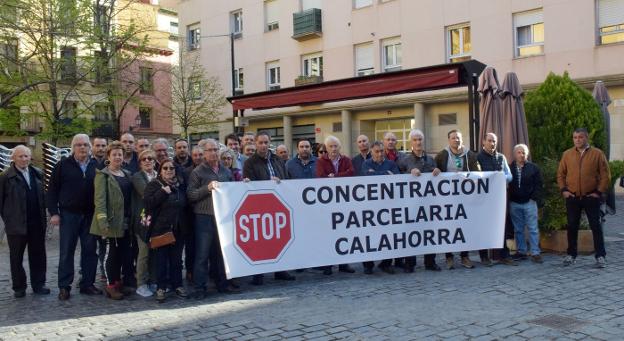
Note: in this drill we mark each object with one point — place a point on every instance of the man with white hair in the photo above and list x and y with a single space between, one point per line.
22 208
70 204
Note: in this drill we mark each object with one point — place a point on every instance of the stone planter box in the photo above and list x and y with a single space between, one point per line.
557 241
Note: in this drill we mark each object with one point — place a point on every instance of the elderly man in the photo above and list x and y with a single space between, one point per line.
416 163
203 180
22 208
583 177
525 195
390 151
457 158
161 149
249 138
99 151
492 161
70 204
264 165
379 165
282 152
232 142
131 158
363 155
142 144
182 157
329 165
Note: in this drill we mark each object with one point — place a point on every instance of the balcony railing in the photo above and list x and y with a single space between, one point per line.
307 24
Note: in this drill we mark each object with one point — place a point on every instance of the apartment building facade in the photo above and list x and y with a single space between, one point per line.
286 43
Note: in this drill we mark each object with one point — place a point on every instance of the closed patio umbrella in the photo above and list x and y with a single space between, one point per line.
490 106
602 97
514 120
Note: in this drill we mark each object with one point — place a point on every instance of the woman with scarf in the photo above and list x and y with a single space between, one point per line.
111 221
165 200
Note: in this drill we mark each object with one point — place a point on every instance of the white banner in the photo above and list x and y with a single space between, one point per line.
266 226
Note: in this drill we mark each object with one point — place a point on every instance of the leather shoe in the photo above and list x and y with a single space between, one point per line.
284 276
346 268
229 290
19 293
91 290
234 284
63 294
434 267
41 291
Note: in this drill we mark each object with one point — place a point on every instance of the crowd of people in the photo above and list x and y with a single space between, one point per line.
146 218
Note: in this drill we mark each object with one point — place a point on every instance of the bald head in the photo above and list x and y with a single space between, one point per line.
363 144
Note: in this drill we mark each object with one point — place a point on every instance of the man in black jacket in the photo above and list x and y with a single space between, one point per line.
264 165
70 204
23 211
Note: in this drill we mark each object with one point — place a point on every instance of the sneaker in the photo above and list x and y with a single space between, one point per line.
466 263
160 295
144 291
519 256
537 259
450 263
601 262
181 292
486 261
569 260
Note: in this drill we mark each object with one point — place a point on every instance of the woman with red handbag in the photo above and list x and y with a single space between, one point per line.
165 199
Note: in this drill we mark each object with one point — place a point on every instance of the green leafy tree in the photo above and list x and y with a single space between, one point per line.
554 110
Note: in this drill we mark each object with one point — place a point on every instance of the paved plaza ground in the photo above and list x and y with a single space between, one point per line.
530 301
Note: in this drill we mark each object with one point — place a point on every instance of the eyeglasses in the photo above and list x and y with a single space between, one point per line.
168 168
149 158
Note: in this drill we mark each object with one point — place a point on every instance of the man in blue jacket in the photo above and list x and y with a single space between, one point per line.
303 165
70 204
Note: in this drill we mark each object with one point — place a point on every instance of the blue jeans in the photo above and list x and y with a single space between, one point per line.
525 215
206 237
75 226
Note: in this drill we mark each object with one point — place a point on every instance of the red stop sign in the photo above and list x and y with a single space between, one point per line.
263 227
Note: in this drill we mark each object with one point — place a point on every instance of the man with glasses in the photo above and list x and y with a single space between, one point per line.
457 158
99 151
70 204
264 165
142 144
363 155
131 158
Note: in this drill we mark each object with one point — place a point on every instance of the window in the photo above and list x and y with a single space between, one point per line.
271 15
273 75
447 119
68 63
362 3
193 37
364 59
458 43
336 127
101 112
8 56
237 23
239 80
69 109
147 82
309 4
195 89
529 33
611 21
312 65
173 27
391 53
102 74
102 19
401 129
145 114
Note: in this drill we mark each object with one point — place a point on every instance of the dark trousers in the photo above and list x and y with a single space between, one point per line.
76 226
169 265
189 250
383 263
429 260
118 259
206 241
591 206
35 241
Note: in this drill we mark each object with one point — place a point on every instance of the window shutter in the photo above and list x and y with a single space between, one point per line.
272 14
528 18
610 12
364 56
309 4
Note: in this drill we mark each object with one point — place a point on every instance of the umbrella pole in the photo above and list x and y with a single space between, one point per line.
473 111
